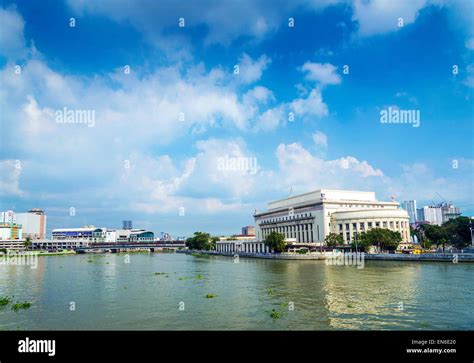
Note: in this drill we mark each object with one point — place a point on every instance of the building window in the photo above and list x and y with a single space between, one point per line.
347 226
377 224
354 225
348 236
384 224
340 227
370 224
361 226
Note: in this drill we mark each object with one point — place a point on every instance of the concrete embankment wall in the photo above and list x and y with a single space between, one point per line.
433 257
436 257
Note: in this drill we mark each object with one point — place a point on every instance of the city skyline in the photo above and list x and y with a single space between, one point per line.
128 115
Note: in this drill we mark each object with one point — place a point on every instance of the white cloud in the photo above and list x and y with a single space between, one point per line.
320 139
250 71
271 119
322 73
312 105
381 16
12 42
10 171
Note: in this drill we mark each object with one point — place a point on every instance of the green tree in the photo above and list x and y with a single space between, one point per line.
27 242
458 232
201 241
275 241
383 238
333 240
437 235
363 243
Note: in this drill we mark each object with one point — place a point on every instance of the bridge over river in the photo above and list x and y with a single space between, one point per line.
117 246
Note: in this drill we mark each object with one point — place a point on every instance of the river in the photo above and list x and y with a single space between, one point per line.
168 291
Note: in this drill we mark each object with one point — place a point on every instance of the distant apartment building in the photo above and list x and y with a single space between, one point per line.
439 213
248 231
33 223
410 207
449 211
8 217
433 214
420 215
127 225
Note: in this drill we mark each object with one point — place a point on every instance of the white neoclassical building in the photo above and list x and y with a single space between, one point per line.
241 246
310 217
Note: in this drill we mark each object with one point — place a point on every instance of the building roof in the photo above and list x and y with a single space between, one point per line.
81 229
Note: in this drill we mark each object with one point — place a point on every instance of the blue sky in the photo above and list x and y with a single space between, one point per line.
336 139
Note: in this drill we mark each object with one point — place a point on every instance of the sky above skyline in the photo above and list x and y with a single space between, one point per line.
171 113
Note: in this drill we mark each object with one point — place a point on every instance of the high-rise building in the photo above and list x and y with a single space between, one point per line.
410 207
420 215
248 231
8 217
127 225
33 223
433 214
449 211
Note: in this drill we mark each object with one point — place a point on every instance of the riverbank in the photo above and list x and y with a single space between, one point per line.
428 257
39 253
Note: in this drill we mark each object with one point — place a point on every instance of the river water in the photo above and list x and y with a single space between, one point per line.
124 292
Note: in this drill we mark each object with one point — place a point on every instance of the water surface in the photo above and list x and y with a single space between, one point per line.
109 293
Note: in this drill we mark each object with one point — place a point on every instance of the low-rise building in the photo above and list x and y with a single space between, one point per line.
88 234
11 231
310 217
12 245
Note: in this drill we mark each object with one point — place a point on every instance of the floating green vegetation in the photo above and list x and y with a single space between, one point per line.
270 291
24 305
184 278
199 277
4 301
161 273
90 261
276 314
350 306
197 254
283 304
211 296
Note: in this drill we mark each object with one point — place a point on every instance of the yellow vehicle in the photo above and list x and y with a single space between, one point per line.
417 252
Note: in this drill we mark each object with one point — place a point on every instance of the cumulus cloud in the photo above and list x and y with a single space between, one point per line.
312 105
381 16
322 73
250 70
10 171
